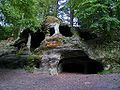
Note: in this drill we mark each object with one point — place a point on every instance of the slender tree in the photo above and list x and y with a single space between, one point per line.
71 4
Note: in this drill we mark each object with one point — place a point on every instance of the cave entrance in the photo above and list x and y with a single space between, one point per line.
64 30
36 39
82 65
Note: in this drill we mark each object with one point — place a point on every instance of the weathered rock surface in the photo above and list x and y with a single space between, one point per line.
51 58
10 58
52 50
13 61
71 47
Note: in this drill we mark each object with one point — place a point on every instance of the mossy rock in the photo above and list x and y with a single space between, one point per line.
51 19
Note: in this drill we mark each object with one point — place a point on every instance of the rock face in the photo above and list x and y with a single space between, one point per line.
54 56
55 51
51 58
9 57
13 61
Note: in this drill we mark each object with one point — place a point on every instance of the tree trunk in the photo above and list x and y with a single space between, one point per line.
71 13
71 17
56 8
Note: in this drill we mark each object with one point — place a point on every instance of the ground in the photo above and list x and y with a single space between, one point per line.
22 80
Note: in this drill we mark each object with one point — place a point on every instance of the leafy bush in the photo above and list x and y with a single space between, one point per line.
33 61
5 32
102 16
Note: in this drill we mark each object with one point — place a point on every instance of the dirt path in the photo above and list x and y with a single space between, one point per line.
21 80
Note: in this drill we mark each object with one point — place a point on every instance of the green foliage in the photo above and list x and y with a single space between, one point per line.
22 14
32 61
102 16
30 67
49 7
5 32
115 69
105 72
21 51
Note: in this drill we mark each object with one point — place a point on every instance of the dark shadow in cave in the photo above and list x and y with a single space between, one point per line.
87 35
23 38
52 31
82 65
36 39
64 30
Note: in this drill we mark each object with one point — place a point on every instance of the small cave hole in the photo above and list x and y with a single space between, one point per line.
52 31
64 30
82 65
36 38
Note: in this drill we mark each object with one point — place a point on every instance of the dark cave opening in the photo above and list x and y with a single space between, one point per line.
22 38
64 30
87 35
52 31
82 65
36 39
